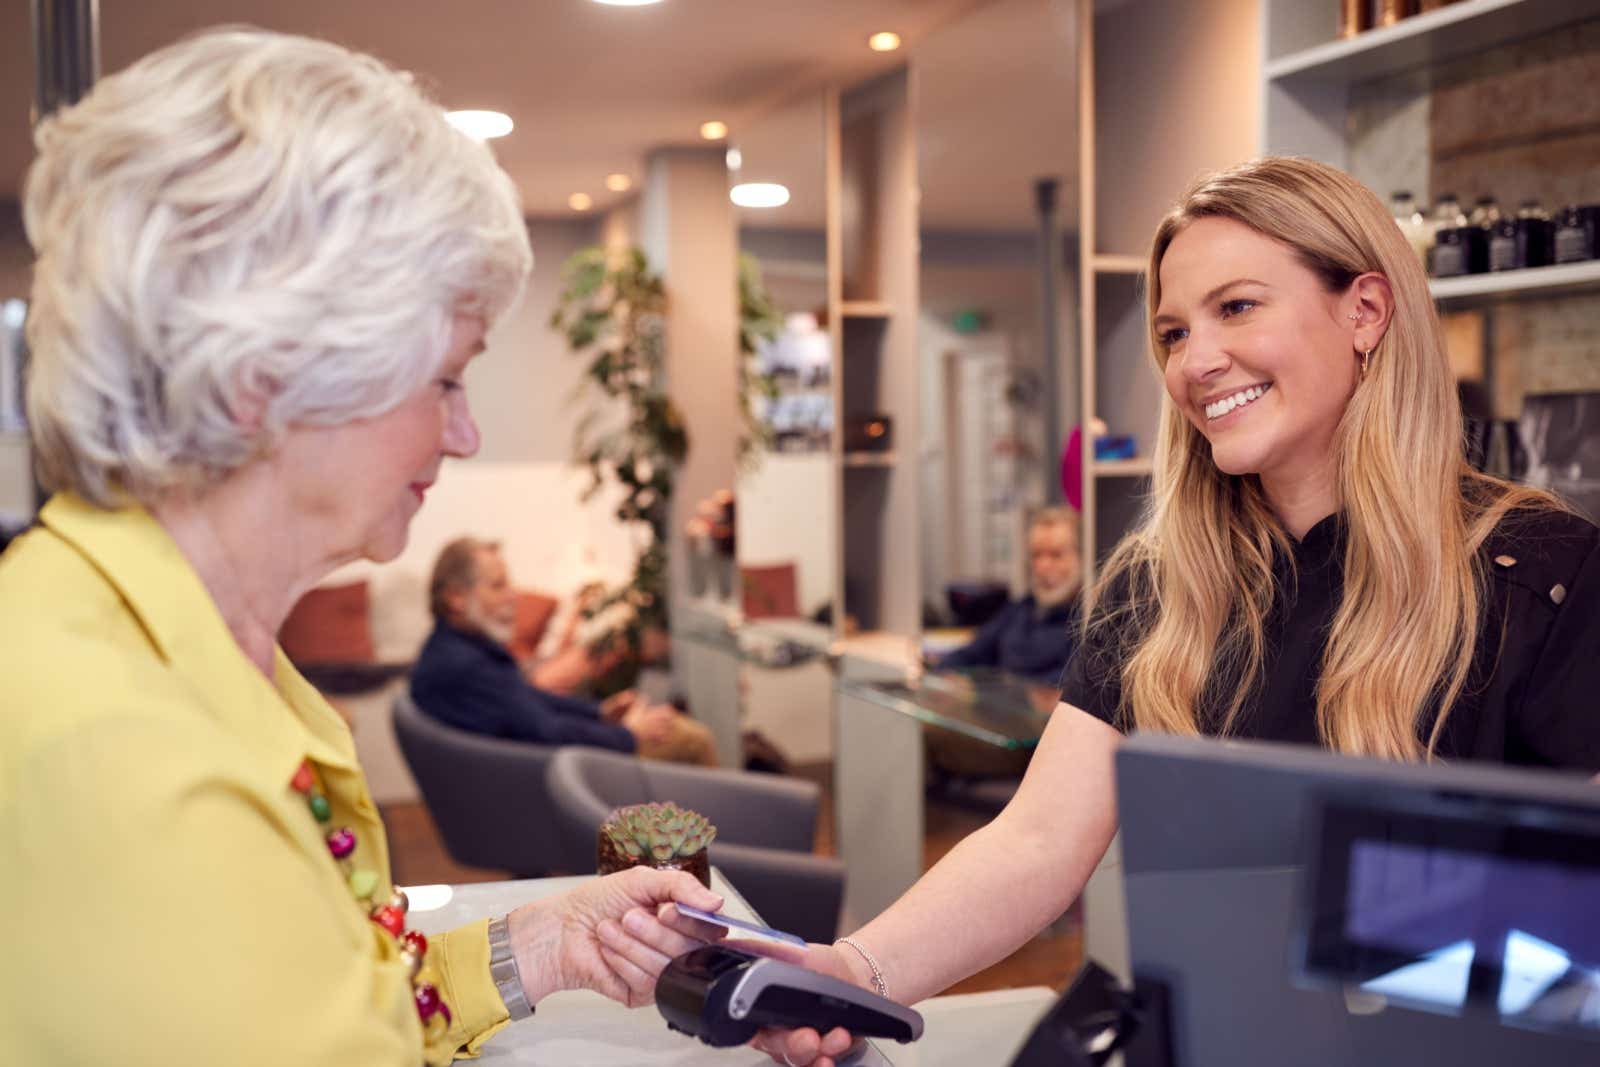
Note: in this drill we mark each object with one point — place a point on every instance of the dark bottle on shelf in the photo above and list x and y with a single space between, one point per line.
1484 218
1523 241
1448 258
1577 234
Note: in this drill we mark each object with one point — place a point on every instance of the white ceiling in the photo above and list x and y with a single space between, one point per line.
593 88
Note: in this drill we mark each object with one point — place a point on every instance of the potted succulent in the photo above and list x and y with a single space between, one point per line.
656 835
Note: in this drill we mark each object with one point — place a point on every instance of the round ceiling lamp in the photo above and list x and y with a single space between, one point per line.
759 194
480 125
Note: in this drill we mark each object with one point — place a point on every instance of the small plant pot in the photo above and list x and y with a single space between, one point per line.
609 860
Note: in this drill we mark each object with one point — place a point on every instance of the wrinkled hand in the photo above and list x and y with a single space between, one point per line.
650 723
614 707
605 935
805 1047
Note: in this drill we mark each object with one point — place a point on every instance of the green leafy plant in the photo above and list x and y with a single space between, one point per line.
657 832
631 433
759 320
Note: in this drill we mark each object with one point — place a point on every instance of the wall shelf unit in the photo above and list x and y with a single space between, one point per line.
865 309
1308 74
872 279
1110 263
1456 30
1139 467
1567 278
869 459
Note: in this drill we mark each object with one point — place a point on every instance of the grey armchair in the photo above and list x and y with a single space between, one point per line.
486 794
764 827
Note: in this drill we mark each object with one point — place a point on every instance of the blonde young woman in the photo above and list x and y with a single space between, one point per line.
1318 564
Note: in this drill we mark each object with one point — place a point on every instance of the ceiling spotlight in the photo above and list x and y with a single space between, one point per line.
759 194
735 159
580 202
618 183
480 125
713 131
884 42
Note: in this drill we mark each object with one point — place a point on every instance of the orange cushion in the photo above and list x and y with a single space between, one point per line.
769 592
533 615
329 625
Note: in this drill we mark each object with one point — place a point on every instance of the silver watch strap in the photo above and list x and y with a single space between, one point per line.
503 969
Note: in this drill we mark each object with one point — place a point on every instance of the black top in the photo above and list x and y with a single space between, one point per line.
1022 640
470 682
1533 696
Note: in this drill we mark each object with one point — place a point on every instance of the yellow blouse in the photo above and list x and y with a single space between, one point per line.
165 896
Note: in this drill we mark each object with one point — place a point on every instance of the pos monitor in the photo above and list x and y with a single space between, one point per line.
1309 909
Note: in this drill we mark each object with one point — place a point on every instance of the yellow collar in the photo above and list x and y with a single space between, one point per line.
286 719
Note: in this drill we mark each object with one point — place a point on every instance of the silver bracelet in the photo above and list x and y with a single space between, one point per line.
503 970
878 984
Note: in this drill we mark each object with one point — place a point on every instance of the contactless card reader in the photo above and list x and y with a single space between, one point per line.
723 996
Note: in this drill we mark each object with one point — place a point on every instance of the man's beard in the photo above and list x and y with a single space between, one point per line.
500 632
1047 597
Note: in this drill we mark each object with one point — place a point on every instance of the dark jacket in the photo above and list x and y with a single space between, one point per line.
1530 697
470 682
1021 641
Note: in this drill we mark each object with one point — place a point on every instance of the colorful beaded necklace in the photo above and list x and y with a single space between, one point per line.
390 914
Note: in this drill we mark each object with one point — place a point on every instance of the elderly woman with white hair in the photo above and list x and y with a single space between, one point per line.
264 264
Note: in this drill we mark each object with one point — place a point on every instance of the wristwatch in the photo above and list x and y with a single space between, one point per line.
503 969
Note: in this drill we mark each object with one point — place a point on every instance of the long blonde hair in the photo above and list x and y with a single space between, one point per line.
1198 573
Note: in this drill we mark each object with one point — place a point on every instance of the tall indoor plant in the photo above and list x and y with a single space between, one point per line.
612 313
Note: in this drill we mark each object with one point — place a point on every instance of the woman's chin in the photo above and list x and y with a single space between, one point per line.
1234 461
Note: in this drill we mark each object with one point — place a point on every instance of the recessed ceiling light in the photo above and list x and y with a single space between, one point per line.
580 202
481 125
759 194
734 158
884 42
618 183
713 131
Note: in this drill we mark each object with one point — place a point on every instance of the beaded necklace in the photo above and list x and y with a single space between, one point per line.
389 913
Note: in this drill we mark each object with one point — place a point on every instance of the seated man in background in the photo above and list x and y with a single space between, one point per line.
1033 637
465 677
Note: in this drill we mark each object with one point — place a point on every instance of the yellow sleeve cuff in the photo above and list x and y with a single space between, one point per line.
462 959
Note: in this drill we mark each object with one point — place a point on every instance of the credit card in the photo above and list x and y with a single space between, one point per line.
719 919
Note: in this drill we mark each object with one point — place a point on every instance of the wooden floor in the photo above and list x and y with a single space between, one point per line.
418 857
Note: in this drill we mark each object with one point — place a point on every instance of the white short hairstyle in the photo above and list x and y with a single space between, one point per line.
241 232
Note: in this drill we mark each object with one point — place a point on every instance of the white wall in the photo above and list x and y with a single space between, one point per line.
783 518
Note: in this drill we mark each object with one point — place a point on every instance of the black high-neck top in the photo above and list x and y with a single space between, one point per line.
1533 696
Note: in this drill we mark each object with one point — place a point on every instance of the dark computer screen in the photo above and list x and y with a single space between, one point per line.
1491 909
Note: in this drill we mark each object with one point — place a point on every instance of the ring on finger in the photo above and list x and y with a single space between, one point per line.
787 1060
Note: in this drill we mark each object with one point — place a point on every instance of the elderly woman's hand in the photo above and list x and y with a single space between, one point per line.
605 935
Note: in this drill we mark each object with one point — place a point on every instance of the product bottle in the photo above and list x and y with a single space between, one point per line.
1576 232
1523 241
1484 218
1354 16
1392 11
1450 228
1408 216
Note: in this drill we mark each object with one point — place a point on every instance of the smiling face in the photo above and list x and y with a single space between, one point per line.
1258 354
358 484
